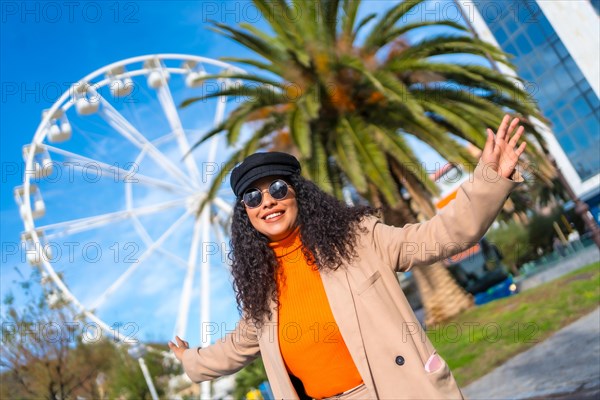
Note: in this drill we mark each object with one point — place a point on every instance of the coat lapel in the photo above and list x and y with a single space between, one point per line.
341 301
280 382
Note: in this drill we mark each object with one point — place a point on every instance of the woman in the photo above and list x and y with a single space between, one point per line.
315 281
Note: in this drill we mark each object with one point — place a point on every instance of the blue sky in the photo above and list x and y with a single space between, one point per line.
44 50
45 47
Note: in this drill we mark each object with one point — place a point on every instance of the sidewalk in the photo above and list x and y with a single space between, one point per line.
564 366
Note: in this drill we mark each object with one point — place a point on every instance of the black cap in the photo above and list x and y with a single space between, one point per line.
259 165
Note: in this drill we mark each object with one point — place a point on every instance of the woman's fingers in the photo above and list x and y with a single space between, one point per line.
513 140
502 128
511 128
489 143
178 348
521 149
181 342
505 130
500 149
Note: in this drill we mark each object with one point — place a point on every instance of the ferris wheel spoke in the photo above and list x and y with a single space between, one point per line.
129 271
141 230
186 292
219 228
223 205
128 176
122 126
85 224
205 282
148 241
166 100
224 225
175 257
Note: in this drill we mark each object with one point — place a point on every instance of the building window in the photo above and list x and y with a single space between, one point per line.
596 5
563 94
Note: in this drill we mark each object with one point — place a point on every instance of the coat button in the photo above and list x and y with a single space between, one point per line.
400 360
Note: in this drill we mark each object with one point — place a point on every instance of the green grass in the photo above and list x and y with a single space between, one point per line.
479 340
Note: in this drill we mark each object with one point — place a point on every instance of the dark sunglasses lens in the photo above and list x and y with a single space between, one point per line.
278 189
252 198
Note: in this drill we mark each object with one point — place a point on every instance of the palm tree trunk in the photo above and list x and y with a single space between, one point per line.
442 297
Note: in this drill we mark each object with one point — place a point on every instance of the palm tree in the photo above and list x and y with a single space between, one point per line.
345 98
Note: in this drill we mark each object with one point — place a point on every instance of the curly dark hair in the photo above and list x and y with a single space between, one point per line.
328 230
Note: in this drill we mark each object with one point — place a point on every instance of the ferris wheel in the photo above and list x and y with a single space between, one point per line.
110 204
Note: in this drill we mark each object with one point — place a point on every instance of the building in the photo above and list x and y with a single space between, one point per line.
556 45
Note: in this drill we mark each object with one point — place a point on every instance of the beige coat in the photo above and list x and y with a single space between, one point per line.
379 327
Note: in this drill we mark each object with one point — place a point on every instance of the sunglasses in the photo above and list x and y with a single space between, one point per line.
278 189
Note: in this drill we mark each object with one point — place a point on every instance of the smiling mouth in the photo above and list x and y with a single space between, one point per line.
273 215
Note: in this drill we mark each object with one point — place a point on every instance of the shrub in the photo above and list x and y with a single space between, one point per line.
513 241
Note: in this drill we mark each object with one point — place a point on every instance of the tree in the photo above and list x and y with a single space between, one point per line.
49 352
250 377
349 104
42 357
126 380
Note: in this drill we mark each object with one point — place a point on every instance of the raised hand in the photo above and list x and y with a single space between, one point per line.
179 348
499 152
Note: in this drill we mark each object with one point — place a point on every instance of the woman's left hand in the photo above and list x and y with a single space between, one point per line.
179 348
499 152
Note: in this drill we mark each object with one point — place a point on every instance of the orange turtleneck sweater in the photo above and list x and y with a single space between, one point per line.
309 338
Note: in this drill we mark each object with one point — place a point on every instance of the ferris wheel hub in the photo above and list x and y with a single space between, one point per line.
193 203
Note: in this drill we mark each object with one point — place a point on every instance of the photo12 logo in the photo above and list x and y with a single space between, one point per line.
71 252
69 332
47 170
53 12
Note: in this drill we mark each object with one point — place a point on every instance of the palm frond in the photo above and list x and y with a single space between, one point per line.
300 131
372 158
387 22
452 44
258 64
261 95
399 150
348 160
330 10
362 24
264 48
249 147
278 14
350 8
420 196
397 32
445 70
318 170
464 125
436 137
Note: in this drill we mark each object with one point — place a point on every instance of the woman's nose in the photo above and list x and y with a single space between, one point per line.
268 200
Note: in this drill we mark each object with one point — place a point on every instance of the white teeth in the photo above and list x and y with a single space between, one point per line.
277 214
